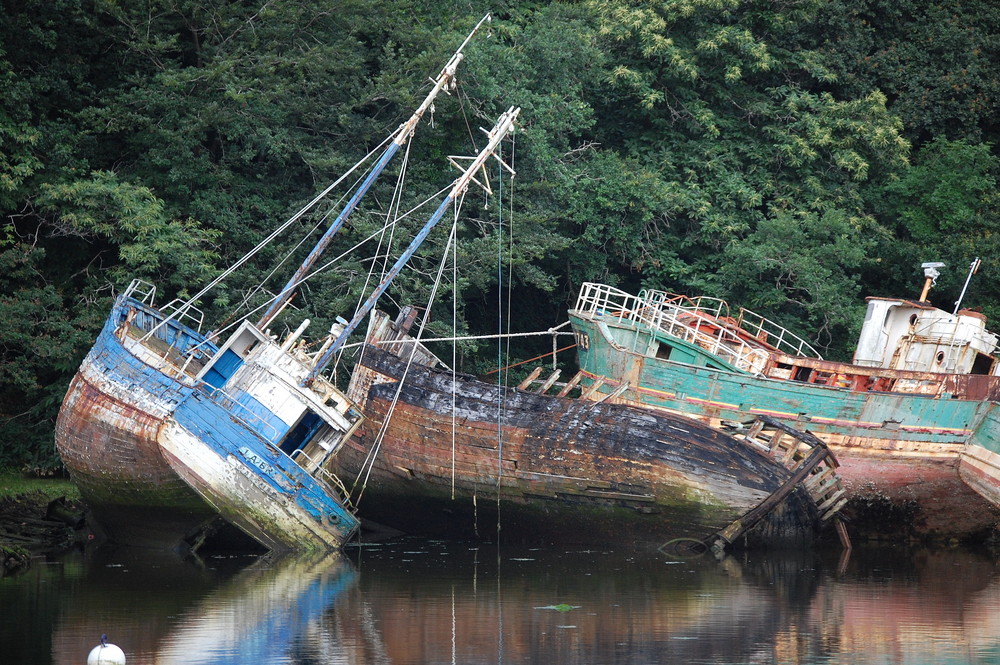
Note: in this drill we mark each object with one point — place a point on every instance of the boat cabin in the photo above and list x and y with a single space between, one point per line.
916 336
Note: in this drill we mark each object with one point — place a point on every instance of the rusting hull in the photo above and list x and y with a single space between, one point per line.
461 457
980 460
900 454
109 443
161 456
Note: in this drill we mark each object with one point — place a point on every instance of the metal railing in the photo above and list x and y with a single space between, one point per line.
189 313
142 291
744 342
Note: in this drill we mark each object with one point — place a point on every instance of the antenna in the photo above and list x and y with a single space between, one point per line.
973 269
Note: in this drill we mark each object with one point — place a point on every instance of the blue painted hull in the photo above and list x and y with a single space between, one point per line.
118 433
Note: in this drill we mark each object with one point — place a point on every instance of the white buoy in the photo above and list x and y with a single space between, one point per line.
106 654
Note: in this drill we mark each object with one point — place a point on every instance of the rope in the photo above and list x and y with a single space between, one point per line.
454 360
544 355
501 378
392 218
278 231
373 454
321 268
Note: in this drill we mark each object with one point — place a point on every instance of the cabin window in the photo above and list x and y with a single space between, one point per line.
939 358
802 374
913 319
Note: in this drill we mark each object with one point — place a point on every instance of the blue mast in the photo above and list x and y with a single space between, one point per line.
444 80
503 126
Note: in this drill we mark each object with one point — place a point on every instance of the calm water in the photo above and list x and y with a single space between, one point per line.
419 601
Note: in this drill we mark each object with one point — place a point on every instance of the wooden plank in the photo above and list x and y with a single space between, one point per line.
754 515
530 379
569 386
589 392
548 383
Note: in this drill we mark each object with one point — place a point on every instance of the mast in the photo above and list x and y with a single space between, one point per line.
973 269
443 81
503 126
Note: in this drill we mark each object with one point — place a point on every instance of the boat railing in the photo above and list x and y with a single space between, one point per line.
676 316
325 477
702 305
776 335
185 313
744 342
242 413
703 330
142 291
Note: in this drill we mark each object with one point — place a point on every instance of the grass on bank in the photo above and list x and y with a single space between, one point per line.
13 483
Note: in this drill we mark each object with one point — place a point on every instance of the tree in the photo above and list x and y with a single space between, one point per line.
944 208
938 63
725 128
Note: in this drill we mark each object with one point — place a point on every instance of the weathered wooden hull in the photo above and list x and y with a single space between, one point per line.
160 456
900 454
107 436
275 503
461 457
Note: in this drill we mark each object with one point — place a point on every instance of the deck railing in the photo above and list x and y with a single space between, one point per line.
702 321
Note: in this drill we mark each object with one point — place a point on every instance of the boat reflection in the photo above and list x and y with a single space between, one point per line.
266 614
435 604
164 609
413 602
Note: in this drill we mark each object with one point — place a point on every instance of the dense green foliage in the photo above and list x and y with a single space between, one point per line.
791 157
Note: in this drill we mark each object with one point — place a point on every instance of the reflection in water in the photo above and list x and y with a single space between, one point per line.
413 602
263 615
163 609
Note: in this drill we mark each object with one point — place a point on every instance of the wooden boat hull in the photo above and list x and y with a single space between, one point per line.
107 435
462 457
160 456
901 454
266 496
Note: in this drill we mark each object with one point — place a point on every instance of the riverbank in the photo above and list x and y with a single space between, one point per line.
37 516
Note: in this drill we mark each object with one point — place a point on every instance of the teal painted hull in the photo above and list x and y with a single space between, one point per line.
902 454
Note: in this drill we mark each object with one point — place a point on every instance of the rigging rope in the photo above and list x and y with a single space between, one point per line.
376 447
524 362
393 209
323 267
281 229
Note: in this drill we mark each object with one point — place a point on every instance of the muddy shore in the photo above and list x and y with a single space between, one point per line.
34 523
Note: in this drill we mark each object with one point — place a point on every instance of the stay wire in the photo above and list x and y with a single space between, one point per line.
380 437
274 234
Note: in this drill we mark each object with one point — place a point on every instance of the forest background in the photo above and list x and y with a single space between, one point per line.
792 157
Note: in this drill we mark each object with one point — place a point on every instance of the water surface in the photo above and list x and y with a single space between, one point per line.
419 601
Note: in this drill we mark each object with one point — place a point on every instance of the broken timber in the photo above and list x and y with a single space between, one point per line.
451 448
812 464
